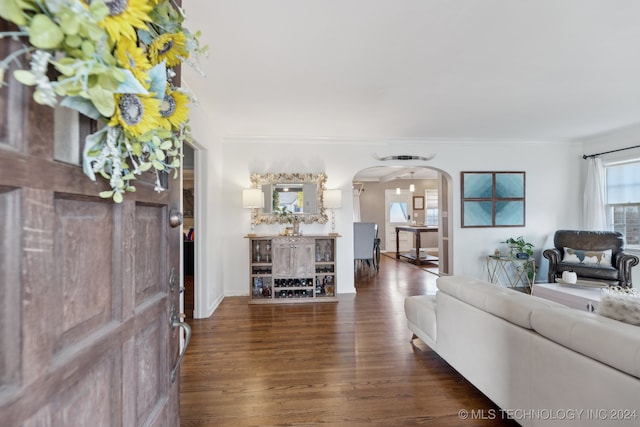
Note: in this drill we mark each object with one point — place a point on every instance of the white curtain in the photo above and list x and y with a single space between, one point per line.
356 205
594 214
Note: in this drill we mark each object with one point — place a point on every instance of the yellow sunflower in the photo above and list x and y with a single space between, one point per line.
137 114
124 17
134 58
171 47
173 109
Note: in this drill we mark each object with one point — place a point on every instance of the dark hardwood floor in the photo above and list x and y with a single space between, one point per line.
342 364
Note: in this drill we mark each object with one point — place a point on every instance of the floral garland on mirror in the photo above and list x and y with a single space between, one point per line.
113 60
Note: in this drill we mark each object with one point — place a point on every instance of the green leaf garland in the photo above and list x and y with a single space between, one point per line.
73 37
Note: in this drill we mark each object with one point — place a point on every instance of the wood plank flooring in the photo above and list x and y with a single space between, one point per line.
348 363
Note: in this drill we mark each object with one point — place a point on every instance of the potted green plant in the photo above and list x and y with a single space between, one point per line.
287 217
520 248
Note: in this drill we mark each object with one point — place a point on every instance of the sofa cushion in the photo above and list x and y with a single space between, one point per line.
421 311
505 303
581 256
606 340
591 271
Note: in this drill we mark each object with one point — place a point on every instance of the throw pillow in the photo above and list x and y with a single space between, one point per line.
580 256
620 304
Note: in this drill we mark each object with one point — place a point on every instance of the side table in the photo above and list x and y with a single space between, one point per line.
508 271
416 230
580 298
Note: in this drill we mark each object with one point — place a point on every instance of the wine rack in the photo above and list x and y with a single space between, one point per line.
286 269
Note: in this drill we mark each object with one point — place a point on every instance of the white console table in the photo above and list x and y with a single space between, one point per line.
580 298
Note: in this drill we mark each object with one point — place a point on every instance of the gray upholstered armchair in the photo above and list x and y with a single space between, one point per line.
366 244
587 254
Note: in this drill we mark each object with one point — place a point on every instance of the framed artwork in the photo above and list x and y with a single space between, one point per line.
187 202
493 199
418 203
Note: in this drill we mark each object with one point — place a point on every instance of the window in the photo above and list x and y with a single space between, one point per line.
623 201
431 212
398 212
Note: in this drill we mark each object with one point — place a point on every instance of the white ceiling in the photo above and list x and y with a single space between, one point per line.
418 69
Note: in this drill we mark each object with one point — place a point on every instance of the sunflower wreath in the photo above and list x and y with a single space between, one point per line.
114 61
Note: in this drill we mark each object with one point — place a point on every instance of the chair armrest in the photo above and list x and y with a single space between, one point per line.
624 262
554 257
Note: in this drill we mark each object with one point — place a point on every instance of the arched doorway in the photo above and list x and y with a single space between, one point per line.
372 187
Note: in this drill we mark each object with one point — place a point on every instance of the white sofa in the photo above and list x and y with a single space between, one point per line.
542 363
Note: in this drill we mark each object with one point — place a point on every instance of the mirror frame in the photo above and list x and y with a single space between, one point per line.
320 179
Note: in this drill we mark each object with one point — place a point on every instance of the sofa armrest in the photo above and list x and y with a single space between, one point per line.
554 256
624 262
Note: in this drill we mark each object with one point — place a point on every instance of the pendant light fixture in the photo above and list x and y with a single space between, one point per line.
412 187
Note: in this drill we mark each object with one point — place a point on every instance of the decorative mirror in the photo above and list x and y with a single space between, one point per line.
298 193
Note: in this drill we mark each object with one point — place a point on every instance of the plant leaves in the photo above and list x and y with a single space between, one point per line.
73 40
103 100
81 105
91 142
65 66
88 49
44 33
158 76
70 23
159 166
42 97
160 155
98 9
25 77
145 166
131 84
10 11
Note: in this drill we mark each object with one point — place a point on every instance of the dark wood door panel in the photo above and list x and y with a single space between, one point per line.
85 335
84 248
10 294
150 373
150 252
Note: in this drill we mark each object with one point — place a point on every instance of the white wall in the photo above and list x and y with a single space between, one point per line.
554 176
553 197
210 209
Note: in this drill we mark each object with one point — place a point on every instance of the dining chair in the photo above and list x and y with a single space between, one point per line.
365 237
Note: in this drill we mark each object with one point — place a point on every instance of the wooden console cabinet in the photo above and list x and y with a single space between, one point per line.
292 269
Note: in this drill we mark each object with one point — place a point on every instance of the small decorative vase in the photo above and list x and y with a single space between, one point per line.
296 227
570 277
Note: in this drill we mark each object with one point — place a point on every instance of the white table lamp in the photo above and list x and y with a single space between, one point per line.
332 199
252 198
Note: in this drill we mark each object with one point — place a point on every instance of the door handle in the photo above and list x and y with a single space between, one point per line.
175 322
175 218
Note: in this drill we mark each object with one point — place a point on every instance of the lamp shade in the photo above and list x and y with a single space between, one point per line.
332 199
252 198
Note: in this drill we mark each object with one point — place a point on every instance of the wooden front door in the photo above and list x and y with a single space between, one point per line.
87 286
